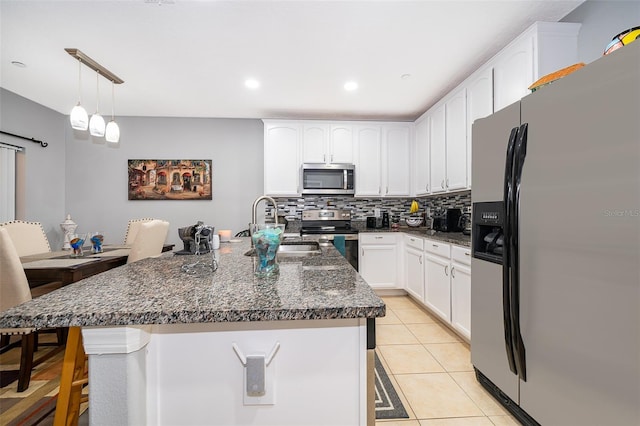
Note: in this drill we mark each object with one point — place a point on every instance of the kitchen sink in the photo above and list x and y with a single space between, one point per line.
294 249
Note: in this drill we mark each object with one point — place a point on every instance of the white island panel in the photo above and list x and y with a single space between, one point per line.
194 377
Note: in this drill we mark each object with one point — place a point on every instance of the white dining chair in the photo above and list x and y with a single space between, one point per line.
14 290
132 229
149 240
28 237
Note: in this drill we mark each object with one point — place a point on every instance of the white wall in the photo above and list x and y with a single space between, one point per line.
601 20
96 176
44 174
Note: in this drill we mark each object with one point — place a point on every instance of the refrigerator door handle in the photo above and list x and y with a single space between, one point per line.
506 262
518 343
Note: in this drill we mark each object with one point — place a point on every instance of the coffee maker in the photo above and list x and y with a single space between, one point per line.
197 239
448 221
385 220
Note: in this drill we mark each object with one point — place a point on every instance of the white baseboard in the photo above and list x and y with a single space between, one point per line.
390 292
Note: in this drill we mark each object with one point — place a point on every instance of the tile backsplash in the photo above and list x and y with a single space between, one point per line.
363 207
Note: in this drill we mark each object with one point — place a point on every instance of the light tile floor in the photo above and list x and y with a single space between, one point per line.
430 367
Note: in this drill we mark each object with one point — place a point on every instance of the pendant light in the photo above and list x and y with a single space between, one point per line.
96 124
113 131
78 117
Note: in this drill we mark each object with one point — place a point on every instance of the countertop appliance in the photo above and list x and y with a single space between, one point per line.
328 179
197 239
448 221
555 317
329 224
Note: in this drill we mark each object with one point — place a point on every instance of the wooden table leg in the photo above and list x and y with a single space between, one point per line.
72 380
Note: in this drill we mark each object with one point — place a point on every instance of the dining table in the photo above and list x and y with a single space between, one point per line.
61 266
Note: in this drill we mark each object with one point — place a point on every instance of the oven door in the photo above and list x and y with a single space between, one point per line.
350 246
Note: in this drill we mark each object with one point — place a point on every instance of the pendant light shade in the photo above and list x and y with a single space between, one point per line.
78 117
96 124
112 133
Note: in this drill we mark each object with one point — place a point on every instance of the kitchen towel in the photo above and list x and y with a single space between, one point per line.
338 243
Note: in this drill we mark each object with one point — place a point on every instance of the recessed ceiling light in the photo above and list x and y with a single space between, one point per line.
405 76
252 83
18 64
350 86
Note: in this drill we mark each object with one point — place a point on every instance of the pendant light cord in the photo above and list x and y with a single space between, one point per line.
97 91
79 82
113 101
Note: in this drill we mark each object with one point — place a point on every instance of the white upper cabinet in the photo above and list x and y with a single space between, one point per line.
479 105
327 143
514 72
456 138
397 153
421 159
315 141
369 151
438 150
281 158
340 144
543 48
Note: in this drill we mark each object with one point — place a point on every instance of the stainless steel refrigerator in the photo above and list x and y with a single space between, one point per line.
555 272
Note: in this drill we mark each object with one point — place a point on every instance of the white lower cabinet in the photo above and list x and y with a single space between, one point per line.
438 275
461 290
414 266
378 259
437 282
461 299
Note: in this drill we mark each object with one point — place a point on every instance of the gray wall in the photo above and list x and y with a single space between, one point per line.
45 189
601 20
97 173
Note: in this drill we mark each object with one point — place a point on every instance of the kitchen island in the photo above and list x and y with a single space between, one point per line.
168 347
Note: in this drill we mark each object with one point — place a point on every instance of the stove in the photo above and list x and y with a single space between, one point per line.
329 223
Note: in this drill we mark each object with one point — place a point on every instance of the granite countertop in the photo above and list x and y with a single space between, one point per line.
448 237
157 291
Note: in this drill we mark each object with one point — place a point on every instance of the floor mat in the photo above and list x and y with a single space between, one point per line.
388 404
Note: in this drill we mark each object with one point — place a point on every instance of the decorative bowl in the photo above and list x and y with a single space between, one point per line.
414 221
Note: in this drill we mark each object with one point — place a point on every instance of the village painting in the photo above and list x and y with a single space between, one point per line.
169 179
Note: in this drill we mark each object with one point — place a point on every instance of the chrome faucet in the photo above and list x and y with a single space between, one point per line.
254 211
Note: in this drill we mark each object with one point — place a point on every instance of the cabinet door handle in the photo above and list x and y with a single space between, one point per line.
466 253
446 270
435 245
362 252
420 258
453 272
427 188
324 158
378 238
380 190
442 184
447 185
387 190
332 158
412 239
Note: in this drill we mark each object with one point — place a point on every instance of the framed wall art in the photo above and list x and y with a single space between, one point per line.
169 179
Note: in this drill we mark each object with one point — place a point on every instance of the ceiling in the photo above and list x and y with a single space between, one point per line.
182 58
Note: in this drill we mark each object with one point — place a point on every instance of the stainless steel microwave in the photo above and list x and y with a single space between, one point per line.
328 179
